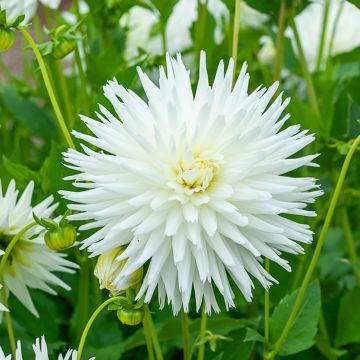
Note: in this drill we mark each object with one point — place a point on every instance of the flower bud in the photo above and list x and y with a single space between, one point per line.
108 268
61 237
7 38
63 47
130 317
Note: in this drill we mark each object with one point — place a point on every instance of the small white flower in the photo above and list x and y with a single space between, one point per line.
193 183
31 263
40 352
342 31
15 8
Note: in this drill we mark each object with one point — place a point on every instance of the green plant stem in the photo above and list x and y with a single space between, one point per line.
267 308
200 29
350 242
148 339
235 41
82 77
48 86
185 334
9 326
153 333
280 37
305 69
64 91
163 37
203 323
90 322
317 251
83 295
323 33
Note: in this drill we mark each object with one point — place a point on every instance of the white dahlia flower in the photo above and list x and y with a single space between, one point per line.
31 263
194 183
40 352
342 31
15 8
2 307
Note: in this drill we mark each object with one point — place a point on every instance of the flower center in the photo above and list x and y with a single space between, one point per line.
195 173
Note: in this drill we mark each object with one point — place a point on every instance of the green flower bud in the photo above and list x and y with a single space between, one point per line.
107 269
7 38
130 317
60 238
63 47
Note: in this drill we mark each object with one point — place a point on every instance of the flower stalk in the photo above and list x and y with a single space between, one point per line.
9 327
48 86
235 42
280 37
90 322
185 334
305 69
323 33
154 337
319 245
203 323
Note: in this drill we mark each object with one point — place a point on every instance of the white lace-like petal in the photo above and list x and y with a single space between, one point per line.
194 183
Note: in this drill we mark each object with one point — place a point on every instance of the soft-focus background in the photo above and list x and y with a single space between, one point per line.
116 36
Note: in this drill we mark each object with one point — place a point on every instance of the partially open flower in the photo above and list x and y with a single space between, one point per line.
108 269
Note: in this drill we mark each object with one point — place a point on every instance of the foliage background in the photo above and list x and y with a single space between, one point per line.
328 324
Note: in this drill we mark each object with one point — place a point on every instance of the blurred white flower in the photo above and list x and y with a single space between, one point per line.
193 183
267 52
342 31
141 21
31 263
40 352
15 8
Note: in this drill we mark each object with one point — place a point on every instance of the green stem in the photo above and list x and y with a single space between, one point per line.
153 333
235 42
147 334
304 66
267 308
83 295
48 86
323 33
82 77
11 245
280 37
163 37
317 251
9 326
200 29
90 322
350 242
185 334
203 323
64 91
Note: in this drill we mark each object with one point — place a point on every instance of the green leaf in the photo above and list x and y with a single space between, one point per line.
165 8
355 2
253 335
303 332
21 173
348 324
37 120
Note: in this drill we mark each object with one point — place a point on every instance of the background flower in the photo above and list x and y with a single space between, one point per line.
342 31
193 183
31 263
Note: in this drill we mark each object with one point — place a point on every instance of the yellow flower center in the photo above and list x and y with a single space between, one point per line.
196 175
